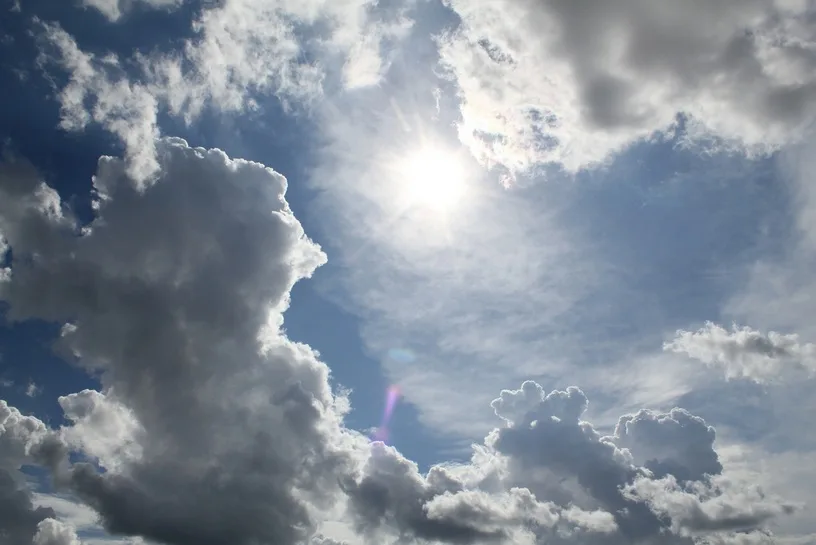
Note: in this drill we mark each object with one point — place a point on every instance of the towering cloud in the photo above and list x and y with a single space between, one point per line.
173 294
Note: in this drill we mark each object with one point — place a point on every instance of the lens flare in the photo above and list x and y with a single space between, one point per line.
392 395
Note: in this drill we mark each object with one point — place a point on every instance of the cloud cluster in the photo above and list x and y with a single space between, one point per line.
573 82
213 427
746 353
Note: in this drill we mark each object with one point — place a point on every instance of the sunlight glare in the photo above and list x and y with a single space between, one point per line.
433 178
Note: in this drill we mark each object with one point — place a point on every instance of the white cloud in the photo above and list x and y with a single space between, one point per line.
242 52
575 82
704 508
54 532
101 427
20 437
115 9
747 353
69 510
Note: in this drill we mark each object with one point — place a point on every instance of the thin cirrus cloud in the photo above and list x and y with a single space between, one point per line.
213 427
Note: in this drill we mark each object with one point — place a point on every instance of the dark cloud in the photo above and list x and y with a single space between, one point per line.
392 494
551 435
18 516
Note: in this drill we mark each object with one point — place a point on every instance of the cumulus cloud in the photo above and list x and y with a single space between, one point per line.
213 427
100 427
702 508
241 52
676 443
54 532
23 439
179 316
745 352
573 82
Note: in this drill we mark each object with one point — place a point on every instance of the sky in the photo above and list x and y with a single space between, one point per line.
340 272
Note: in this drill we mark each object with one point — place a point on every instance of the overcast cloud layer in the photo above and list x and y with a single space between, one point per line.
211 426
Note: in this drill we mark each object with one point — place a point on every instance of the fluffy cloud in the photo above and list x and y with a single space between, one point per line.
703 508
676 443
173 295
213 427
572 82
100 427
25 439
241 52
115 9
745 352
54 532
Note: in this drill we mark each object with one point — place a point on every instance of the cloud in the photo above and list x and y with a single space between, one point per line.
548 473
69 510
214 427
180 317
54 532
19 518
676 443
745 352
705 509
100 427
115 9
24 440
574 82
242 52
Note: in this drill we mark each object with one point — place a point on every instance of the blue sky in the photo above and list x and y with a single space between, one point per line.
577 237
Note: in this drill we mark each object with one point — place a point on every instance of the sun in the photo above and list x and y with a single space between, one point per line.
432 178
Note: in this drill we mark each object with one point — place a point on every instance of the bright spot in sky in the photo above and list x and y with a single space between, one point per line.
433 178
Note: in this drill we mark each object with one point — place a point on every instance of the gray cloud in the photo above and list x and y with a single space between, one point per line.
551 435
676 443
454 506
745 352
173 295
18 515
24 440
572 82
